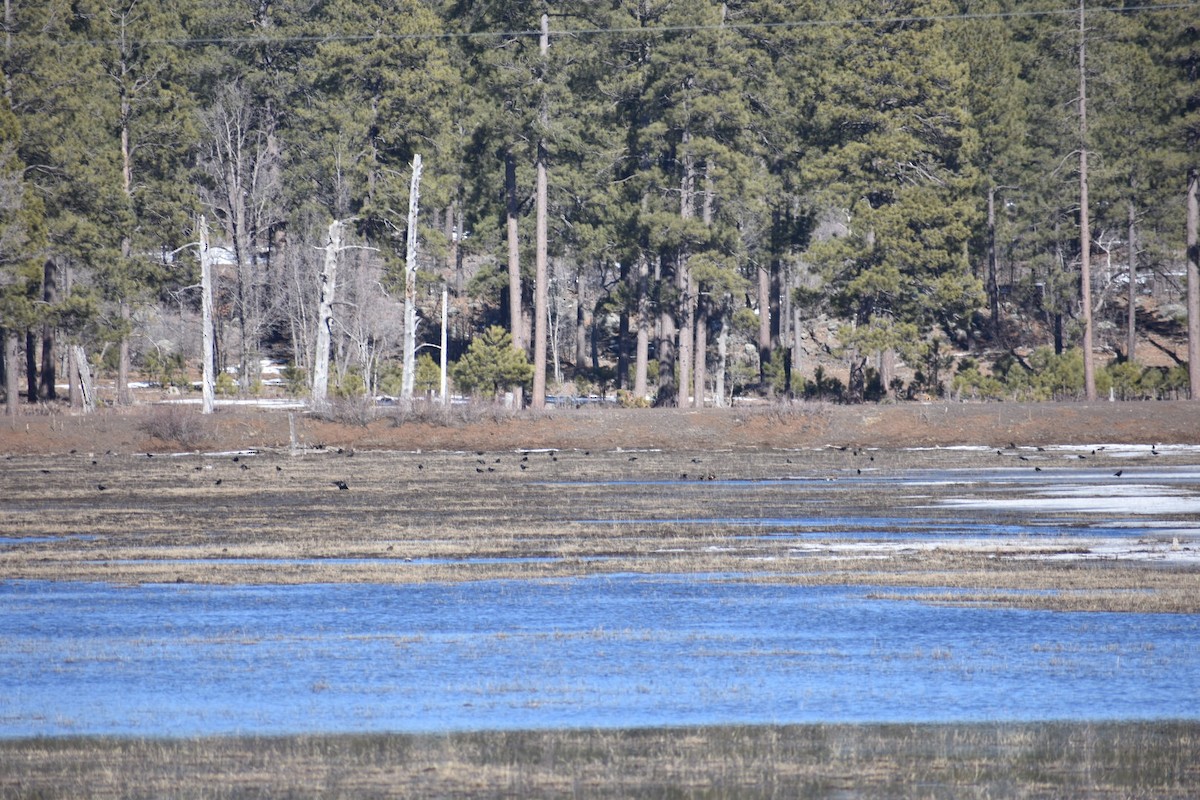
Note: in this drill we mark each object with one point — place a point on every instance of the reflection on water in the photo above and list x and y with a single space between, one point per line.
619 650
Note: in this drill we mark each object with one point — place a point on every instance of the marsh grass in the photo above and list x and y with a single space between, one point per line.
1050 760
275 517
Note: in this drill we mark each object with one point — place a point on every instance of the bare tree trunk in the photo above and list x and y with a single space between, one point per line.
320 387
666 349
208 368
511 212
124 396
642 355
700 371
46 389
764 319
1193 281
623 334
582 328
540 286
993 288
12 355
722 360
87 390
1131 313
1085 234
683 278
31 381
410 285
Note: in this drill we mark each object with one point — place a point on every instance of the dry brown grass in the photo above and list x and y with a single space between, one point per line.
1064 760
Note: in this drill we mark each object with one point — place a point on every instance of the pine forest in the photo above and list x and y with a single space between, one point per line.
656 202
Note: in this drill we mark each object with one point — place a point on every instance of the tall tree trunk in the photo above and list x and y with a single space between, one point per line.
1131 312
1085 233
642 353
1193 280
46 389
700 371
320 387
993 288
623 334
410 285
31 380
512 210
12 355
722 360
684 281
667 307
516 316
124 396
541 287
207 340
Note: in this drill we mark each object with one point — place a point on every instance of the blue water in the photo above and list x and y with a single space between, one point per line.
607 651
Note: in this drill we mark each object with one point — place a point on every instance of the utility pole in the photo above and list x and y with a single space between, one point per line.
540 289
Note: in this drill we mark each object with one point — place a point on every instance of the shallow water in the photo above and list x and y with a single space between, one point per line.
617 650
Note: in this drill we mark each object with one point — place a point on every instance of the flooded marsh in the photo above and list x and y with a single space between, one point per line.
652 599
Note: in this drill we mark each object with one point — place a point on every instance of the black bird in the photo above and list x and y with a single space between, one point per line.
1023 458
101 486
1037 469
633 458
1117 474
341 485
695 461
420 466
1081 455
278 468
245 466
45 472
587 452
149 455
524 458
235 459
217 482
524 466
479 469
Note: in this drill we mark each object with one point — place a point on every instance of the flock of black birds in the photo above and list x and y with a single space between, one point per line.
484 463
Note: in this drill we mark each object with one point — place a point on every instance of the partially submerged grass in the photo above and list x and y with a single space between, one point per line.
276 517
1059 760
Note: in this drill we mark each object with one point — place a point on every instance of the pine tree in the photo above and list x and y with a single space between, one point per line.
896 150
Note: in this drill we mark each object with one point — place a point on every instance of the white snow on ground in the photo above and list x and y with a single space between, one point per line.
1173 552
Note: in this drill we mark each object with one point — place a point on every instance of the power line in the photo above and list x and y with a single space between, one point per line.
641 31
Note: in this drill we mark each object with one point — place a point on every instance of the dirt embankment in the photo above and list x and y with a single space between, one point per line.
152 428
